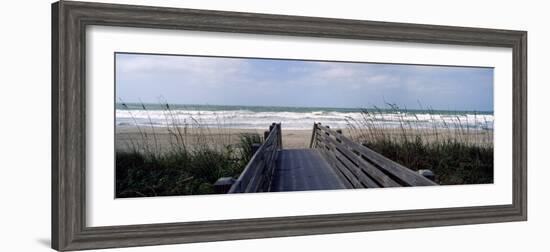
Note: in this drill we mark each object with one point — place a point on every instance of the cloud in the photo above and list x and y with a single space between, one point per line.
155 64
191 70
355 75
234 81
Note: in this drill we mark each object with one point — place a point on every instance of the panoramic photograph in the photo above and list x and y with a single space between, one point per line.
198 125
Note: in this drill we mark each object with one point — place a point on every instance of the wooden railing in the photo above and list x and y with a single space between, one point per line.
256 176
360 167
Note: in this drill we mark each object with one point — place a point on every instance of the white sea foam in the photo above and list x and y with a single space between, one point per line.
248 119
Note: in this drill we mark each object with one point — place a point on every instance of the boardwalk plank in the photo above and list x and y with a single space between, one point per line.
302 170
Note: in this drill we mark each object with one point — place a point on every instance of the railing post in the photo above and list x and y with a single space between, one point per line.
280 136
223 185
266 135
312 141
427 174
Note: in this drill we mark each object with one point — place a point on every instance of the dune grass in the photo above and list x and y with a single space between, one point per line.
146 168
457 151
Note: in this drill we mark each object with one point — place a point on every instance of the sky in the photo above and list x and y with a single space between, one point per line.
270 82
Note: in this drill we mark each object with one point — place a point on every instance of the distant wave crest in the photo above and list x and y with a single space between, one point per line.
248 119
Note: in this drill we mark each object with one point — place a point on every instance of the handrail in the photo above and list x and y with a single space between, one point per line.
313 132
359 166
256 176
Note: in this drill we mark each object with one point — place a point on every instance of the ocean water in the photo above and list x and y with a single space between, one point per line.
260 117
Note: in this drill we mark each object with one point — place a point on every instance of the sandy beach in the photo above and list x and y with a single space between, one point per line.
162 138
220 136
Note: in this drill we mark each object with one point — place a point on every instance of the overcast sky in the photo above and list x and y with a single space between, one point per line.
263 82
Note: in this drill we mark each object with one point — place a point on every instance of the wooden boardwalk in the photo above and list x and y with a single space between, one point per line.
302 170
332 161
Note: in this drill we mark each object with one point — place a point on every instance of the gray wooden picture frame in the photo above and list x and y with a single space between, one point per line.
69 21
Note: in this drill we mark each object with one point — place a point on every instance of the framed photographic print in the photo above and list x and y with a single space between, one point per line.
178 125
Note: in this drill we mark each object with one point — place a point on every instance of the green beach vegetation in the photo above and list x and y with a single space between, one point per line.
146 168
453 150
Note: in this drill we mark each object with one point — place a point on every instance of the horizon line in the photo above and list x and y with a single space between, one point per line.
319 107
